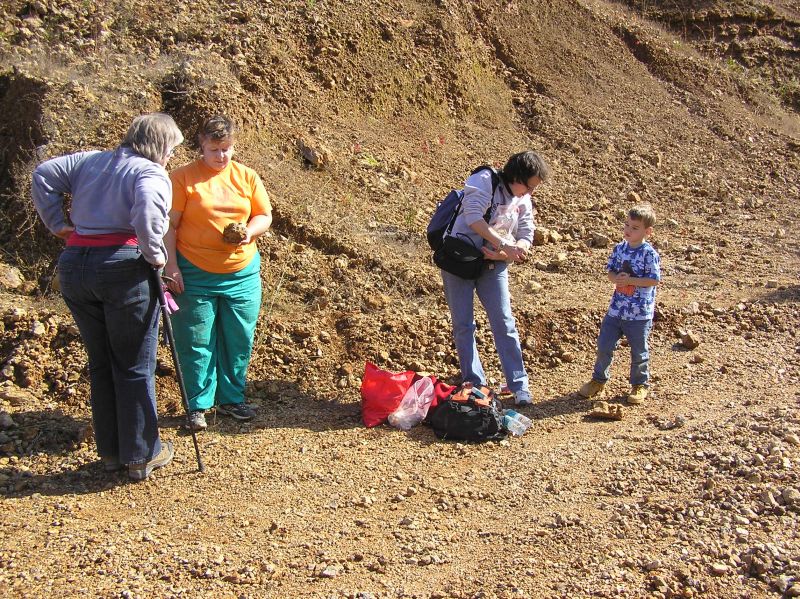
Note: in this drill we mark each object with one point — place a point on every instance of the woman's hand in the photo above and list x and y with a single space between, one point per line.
509 253
257 226
516 253
172 275
492 254
64 232
247 238
524 249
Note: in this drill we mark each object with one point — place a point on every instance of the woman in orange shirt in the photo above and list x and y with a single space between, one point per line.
217 282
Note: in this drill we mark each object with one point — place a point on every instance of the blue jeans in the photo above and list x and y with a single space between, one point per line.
636 332
493 293
110 292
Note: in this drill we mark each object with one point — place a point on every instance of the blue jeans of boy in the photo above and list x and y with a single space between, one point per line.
492 290
110 292
636 332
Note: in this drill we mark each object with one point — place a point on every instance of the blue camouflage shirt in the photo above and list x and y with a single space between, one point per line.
630 302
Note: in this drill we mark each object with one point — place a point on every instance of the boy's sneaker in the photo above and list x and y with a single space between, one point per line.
240 411
638 394
196 421
591 389
522 398
142 471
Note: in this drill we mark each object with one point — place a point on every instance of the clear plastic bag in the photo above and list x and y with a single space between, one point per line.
414 406
506 219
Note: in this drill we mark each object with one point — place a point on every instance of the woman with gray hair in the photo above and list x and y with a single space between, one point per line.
120 202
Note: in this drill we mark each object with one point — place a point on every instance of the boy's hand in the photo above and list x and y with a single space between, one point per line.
622 282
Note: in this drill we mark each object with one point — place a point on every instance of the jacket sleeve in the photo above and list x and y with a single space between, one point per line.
526 225
477 196
51 180
149 214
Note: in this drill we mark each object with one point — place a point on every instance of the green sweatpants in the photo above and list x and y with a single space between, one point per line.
214 327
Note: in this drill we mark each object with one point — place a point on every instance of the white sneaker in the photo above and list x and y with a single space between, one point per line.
523 398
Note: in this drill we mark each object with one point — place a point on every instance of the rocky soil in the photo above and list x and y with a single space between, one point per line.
360 116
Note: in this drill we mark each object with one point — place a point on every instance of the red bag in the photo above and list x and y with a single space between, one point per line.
441 392
381 393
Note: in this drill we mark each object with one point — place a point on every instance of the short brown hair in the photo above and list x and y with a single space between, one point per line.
218 127
644 213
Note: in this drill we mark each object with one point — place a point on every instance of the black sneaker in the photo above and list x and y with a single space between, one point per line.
196 421
240 411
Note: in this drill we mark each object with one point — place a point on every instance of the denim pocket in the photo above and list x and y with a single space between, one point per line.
69 272
124 282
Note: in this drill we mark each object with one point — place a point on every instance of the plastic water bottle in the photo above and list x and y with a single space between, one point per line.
515 423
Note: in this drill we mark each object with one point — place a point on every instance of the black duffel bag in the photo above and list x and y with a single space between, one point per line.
459 257
467 416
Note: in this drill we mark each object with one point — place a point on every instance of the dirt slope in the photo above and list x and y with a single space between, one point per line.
359 117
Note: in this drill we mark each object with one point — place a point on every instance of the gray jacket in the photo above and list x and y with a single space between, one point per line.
477 198
115 191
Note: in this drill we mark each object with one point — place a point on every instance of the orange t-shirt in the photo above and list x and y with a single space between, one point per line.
210 200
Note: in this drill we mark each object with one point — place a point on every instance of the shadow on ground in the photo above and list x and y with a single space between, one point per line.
782 295
285 405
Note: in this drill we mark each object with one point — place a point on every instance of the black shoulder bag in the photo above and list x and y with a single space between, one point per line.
460 256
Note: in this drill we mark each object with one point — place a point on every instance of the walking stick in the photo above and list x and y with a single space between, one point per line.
162 299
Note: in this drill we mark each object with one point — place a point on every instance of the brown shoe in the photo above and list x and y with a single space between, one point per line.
591 389
111 463
638 394
142 471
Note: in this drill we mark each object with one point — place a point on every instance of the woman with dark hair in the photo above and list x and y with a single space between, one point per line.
120 201
505 237
216 273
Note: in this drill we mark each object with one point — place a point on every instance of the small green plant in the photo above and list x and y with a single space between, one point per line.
369 160
410 217
732 65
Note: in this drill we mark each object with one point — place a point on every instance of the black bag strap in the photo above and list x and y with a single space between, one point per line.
495 182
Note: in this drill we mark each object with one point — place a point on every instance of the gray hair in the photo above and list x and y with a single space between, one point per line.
153 136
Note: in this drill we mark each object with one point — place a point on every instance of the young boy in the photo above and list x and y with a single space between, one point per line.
634 268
